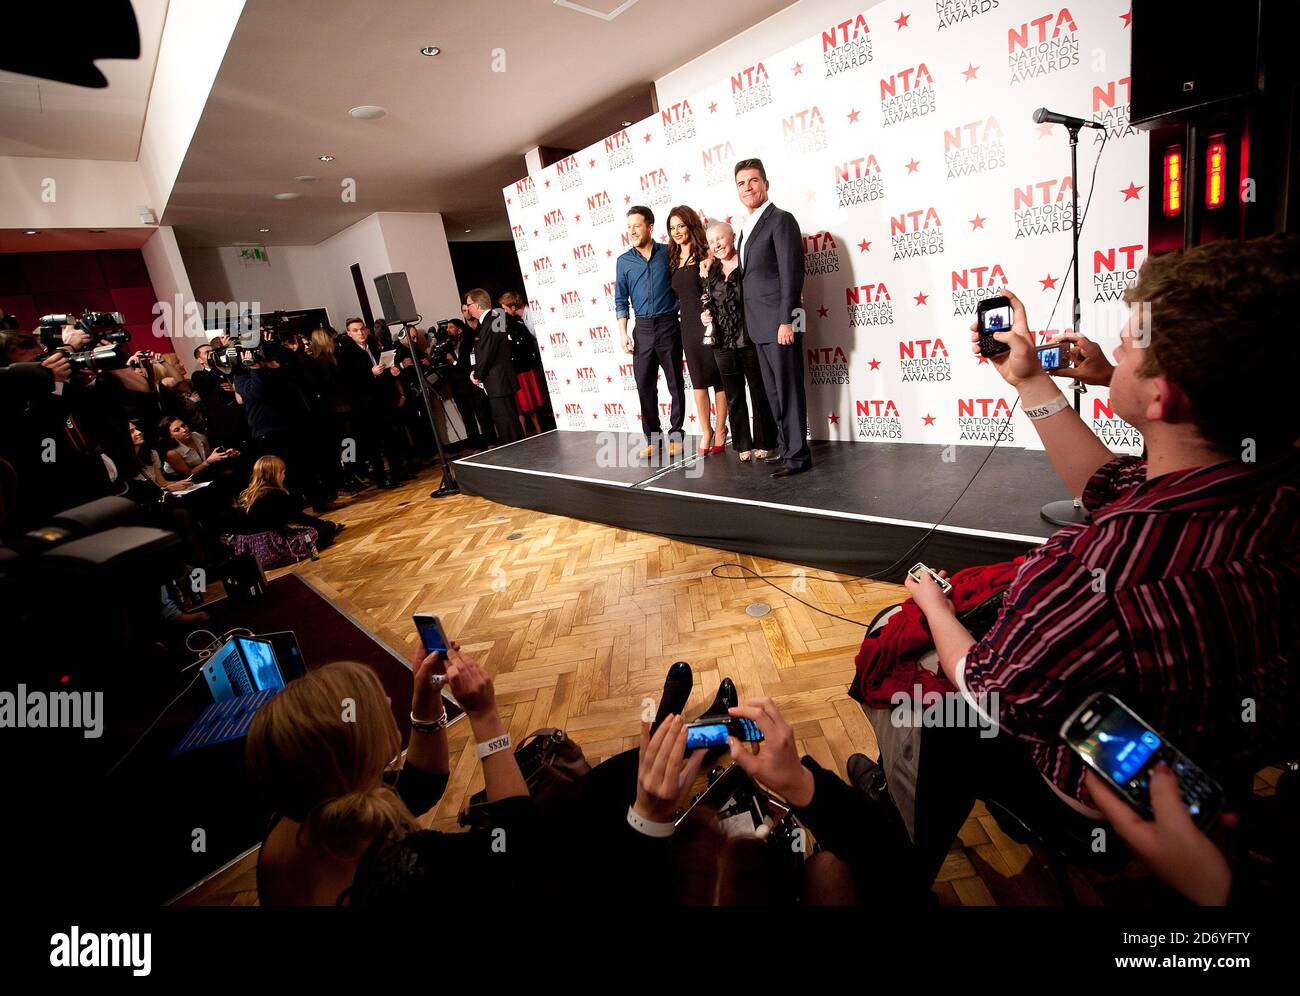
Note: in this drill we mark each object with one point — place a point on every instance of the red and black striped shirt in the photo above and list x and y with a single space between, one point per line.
1180 597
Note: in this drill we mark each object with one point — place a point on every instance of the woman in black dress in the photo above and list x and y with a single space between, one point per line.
687 233
737 359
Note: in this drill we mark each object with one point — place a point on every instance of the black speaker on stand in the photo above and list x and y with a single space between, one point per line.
399 309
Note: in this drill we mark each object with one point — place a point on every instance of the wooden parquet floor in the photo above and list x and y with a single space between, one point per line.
578 622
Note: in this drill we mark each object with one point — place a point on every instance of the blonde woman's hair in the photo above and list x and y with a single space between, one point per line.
322 346
318 751
268 475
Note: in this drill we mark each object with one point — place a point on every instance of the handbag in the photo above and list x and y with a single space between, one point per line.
549 761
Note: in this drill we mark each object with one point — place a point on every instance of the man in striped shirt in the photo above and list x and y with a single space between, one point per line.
1180 596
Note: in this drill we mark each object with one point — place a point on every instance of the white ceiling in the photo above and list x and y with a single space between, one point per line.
66 239
60 121
455 132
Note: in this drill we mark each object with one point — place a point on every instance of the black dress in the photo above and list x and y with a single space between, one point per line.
700 361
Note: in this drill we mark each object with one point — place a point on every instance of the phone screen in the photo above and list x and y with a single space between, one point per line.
431 633
708 735
995 319
1120 745
1050 357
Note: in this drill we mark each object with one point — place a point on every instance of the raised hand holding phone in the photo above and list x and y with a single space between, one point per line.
1017 362
776 764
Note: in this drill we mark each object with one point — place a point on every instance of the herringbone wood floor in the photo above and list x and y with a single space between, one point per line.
578 622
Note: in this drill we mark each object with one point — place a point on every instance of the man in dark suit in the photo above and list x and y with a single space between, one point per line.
771 262
493 369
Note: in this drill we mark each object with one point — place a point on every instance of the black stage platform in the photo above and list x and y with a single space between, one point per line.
858 511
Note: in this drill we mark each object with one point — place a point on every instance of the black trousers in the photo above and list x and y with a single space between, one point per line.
505 417
783 377
657 344
738 368
475 412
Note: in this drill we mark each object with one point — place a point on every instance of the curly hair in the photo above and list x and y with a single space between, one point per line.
699 242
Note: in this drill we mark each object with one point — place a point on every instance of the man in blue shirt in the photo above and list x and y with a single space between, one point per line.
641 277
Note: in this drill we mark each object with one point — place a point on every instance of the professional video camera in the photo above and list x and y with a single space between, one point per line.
108 339
244 349
441 343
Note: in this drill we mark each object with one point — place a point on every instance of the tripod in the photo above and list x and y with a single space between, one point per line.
1070 511
448 485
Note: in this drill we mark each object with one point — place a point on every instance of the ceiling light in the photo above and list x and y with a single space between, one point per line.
263 230
31 231
467 231
430 50
367 112
287 197
327 159
305 178
627 124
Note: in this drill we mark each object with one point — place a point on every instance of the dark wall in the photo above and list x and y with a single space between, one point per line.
494 266
41 283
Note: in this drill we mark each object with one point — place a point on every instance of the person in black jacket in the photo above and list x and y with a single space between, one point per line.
375 390
493 369
475 412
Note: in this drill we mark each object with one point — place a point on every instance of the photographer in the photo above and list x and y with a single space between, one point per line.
277 415
1178 596
222 415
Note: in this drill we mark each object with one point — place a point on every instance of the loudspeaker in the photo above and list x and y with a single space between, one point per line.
1187 58
395 298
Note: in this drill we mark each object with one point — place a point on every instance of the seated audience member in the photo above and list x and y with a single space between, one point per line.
1178 595
190 456
149 470
275 528
345 832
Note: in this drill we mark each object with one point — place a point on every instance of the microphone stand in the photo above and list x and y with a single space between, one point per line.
448 486
1070 511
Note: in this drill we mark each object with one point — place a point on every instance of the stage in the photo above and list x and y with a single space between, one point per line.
858 511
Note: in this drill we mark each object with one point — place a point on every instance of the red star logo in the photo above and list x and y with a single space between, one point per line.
647 136
1048 282
1045 129
546 183
579 343
977 222
627 198
608 380
970 71
823 311
1127 18
834 419
875 364
638 416
798 68
984 359
595 414
593 164
864 246
686 178
692 418
713 107
902 20
577 217
552 309
1131 191
593 300
608 252
929 420
566 379
912 166
508 201
534 233
853 116
921 298
564 266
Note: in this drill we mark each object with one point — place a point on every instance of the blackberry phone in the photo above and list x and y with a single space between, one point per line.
993 315
1122 749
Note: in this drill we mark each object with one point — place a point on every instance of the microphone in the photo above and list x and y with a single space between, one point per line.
1044 116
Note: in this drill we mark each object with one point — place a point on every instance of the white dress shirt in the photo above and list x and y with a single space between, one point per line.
747 226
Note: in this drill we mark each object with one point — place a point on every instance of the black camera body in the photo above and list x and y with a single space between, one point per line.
243 352
108 351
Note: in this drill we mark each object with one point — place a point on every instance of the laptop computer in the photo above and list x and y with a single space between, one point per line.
241 666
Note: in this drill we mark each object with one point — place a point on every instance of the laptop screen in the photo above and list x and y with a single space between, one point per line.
260 658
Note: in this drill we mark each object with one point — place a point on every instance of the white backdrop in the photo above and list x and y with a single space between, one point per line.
903 143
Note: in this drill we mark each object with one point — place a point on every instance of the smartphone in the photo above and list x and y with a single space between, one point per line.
715 734
993 315
1054 356
918 569
1123 749
431 632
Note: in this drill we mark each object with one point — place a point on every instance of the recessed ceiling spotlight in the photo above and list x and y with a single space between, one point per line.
31 231
627 124
467 231
287 197
327 159
305 178
367 112
263 230
430 50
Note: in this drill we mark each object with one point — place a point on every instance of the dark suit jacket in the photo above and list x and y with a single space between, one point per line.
773 274
492 356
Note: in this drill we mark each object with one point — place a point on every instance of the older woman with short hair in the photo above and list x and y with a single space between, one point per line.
735 354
